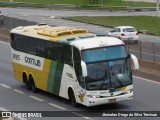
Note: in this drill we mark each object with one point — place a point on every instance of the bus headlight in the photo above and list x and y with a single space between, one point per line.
128 91
93 96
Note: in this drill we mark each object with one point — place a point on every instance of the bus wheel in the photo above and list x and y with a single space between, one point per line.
27 85
26 82
32 85
72 97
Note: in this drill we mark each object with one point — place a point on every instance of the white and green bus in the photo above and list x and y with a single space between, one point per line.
83 67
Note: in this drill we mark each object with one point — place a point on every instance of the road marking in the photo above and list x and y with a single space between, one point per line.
3 109
52 16
6 86
20 118
36 98
25 15
146 79
18 91
57 106
80 115
4 42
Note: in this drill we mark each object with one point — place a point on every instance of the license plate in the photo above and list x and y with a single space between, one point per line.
112 100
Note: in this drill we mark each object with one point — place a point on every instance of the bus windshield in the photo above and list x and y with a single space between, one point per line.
105 53
108 70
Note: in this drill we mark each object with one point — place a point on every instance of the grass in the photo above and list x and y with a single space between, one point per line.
88 2
149 23
49 1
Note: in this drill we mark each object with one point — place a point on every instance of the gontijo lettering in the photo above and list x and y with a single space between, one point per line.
16 57
33 61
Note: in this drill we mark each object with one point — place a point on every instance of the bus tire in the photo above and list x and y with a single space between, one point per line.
32 84
26 82
72 98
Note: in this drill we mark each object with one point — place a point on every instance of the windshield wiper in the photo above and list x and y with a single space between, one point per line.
103 82
120 82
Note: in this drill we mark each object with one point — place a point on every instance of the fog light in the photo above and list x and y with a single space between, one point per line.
93 96
128 91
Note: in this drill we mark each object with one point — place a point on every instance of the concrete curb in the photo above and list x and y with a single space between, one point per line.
149 70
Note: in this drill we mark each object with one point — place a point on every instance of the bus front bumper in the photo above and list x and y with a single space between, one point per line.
108 100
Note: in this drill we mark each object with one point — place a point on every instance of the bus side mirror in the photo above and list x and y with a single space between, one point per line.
84 69
129 56
135 61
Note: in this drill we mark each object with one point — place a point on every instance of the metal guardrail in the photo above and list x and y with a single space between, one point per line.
10 22
145 51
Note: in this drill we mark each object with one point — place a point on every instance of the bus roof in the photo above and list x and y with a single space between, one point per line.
47 32
67 35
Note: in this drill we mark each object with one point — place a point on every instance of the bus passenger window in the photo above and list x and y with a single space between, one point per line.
40 48
31 46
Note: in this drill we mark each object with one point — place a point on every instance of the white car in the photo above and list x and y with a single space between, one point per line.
125 33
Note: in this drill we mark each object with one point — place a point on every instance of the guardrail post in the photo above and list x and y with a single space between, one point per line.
14 22
128 48
154 52
7 19
140 49
1 19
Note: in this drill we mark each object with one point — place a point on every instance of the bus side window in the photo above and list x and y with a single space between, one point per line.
12 36
68 54
24 44
59 52
18 42
49 50
40 48
31 45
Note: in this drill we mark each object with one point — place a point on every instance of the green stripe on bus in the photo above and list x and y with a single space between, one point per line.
51 76
58 78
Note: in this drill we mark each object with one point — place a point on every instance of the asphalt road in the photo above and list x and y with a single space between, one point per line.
14 97
43 12
54 17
